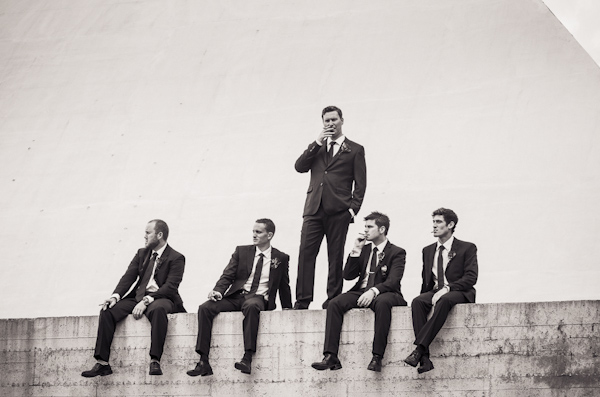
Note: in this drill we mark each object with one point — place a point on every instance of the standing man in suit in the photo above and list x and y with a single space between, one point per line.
335 164
159 270
449 273
249 284
379 267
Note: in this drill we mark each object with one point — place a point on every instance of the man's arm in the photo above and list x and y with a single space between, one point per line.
360 181
131 274
285 293
423 275
355 259
306 159
229 274
471 270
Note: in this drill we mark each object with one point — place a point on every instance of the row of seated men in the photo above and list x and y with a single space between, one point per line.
258 272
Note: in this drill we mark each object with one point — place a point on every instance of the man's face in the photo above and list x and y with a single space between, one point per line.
260 236
151 237
440 228
333 120
372 232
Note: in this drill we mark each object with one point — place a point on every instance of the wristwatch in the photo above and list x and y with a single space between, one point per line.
146 301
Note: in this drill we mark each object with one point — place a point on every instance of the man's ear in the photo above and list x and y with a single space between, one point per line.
451 225
270 235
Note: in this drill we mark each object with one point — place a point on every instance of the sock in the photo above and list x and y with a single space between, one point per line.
102 362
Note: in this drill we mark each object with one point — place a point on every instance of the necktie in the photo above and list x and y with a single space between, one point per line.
330 152
257 274
371 280
141 291
440 269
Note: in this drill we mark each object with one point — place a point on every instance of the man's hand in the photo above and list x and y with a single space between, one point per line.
366 298
109 303
325 133
439 294
215 296
359 243
138 310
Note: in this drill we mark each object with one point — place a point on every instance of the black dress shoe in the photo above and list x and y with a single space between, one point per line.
202 368
155 368
244 365
375 364
301 306
96 370
414 358
425 365
330 361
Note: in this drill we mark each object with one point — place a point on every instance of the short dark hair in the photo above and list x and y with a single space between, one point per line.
332 109
449 216
380 220
161 226
268 224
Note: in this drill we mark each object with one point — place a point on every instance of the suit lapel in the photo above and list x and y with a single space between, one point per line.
250 259
386 251
274 255
339 153
455 247
365 268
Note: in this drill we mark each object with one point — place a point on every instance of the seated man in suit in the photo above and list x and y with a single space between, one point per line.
248 284
159 270
379 267
449 274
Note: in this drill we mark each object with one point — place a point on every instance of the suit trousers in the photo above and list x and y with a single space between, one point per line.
382 306
314 228
249 306
426 330
156 312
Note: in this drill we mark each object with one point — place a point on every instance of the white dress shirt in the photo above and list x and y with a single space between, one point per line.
263 284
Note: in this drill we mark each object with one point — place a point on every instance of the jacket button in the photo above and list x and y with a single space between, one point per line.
321 183
325 172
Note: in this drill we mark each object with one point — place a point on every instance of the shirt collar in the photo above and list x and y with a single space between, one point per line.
339 140
381 245
266 253
160 251
447 245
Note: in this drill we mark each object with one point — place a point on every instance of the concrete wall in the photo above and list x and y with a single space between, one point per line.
114 112
517 349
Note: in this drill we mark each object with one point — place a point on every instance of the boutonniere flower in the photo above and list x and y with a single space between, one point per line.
275 262
451 255
345 148
384 268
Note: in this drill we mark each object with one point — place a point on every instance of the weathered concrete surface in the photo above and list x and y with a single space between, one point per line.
517 349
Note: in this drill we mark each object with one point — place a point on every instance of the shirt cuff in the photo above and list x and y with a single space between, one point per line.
318 143
150 298
116 296
352 212
354 254
375 290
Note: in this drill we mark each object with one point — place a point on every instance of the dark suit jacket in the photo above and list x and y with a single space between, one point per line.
239 268
388 273
168 276
461 272
331 184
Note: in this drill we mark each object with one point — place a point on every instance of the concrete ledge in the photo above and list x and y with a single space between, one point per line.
517 349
